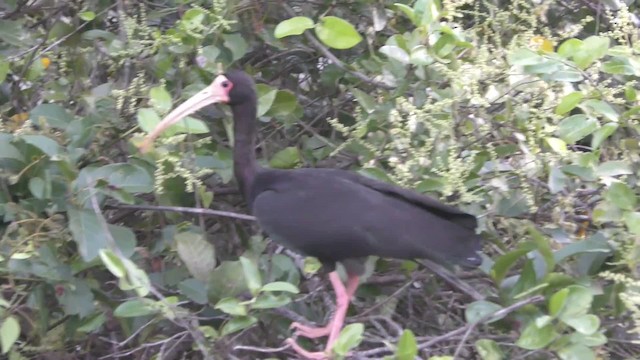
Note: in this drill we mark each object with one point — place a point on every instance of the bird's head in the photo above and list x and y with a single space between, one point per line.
234 88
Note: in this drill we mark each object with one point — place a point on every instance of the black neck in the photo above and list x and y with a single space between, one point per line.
244 156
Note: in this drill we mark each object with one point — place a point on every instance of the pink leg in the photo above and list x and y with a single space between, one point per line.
333 328
311 332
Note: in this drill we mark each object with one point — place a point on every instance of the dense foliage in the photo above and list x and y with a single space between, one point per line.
524 113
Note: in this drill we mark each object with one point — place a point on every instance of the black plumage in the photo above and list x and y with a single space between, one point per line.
334 215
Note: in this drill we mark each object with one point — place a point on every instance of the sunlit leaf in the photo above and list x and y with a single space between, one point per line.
136 307
197 254
407 346
293 26
489 349
569 102
350 337
9 333
337 33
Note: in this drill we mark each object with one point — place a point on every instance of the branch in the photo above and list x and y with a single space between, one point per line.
187 210
315 43
450 278
262 349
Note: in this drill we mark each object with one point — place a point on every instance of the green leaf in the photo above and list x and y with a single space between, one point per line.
621 195
90 237
251 274
287 158
122 176
569 47
614 168
558 301
576 127
87 15
113 263
602 108
266 97
92 324
576 352
349 338
408 11
195 290
580 299
280 286
237 44
620 66
632 220
53 115
592 49
367 101
595 339
503 263
284 103
236 324
407 346
524 57
420 56
426 12
9 333
557 180
4 69
489 350
77 298
231 306
197 254
569 102
585 324
480 309
293 26
136 307
38 188
160 99
557 145
337 33
396 53
534 338
602 134
270 301
45 144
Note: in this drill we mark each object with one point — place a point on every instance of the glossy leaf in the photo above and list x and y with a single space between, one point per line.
576 127
197 254
480 309
236 324
280 286
251 274
621 195
231 306
576 352
407 346
53 115
9 333
569 102
585 324
293 26
287 158
489 350
337 33
135 308
113 263
533 337
350 337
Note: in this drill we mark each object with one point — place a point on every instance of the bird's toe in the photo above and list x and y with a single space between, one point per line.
305 354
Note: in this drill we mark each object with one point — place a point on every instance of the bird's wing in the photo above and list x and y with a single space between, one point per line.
324 214
428 203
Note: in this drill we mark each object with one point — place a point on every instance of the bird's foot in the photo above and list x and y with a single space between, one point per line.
310 332
319 355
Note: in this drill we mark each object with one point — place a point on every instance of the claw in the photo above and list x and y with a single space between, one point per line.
319 355
310 332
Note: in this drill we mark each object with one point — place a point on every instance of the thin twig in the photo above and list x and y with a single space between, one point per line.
188 210
450 278
261 349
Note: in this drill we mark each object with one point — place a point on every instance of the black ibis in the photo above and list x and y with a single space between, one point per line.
333 215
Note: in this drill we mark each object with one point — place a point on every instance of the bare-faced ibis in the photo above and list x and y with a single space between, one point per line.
333 215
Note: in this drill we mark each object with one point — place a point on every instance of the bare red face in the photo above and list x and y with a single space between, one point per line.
217 92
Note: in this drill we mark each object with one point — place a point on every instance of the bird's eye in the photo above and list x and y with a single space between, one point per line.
225 84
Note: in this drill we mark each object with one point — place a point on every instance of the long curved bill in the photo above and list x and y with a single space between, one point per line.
212 94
